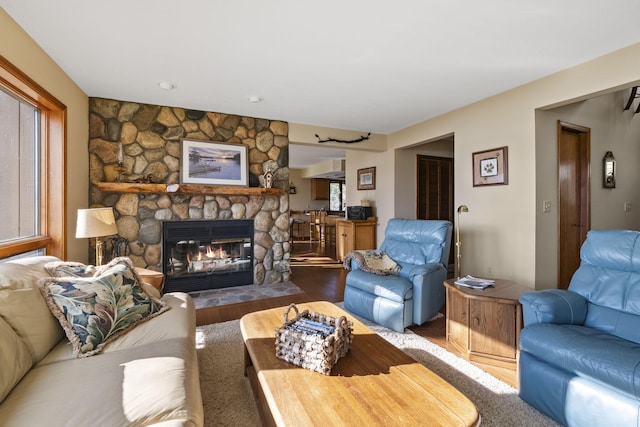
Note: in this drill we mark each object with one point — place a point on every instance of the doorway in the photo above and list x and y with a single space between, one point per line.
435 191
435 188
574 218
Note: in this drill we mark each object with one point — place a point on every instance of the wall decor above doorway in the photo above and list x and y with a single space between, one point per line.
490 167
350 141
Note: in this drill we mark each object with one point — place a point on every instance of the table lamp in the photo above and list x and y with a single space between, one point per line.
96 222
461 209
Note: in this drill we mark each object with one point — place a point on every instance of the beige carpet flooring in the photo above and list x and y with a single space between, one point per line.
228 400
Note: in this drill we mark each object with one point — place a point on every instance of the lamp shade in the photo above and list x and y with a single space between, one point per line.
95 223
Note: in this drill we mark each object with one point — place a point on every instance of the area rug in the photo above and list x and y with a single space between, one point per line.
311 256
312 261
228 400
236 294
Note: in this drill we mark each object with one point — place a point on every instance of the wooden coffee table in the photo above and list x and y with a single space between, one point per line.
374 384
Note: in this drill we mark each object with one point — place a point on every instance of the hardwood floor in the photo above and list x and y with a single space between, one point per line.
322 279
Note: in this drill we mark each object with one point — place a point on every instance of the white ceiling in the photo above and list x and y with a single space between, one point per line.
365 65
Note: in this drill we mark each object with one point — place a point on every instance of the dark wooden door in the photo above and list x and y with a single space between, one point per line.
573 194
435 188
435 191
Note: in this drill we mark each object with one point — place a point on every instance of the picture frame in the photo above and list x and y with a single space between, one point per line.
491 167
367 179
213 163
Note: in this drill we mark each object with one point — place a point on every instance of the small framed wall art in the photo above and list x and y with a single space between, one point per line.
367 179
213 163
491 167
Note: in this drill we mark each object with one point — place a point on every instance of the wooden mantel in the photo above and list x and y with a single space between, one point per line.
126 187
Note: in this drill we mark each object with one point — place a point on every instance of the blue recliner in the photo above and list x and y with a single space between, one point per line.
421 248
580 348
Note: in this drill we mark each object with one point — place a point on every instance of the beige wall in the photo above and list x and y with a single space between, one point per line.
500 234
355 160
612 129
505 234
19 49
407 170
301 201
306 134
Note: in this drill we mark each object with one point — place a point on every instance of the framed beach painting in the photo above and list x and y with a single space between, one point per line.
214 163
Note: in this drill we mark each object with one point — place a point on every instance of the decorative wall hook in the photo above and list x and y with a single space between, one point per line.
632 96
362 138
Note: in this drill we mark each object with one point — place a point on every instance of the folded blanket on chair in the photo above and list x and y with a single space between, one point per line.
373 261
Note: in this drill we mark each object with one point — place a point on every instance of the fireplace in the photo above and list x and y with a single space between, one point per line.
200 255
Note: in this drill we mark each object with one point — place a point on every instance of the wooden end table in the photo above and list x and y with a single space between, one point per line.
484 325
374 384
152 277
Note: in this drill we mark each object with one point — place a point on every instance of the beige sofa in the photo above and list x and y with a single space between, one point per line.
148 376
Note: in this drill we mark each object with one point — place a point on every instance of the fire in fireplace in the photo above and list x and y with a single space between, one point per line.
200 255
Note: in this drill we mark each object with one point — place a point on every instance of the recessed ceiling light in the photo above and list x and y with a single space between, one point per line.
254 99
166 85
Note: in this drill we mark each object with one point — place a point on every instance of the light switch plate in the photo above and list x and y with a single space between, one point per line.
546 206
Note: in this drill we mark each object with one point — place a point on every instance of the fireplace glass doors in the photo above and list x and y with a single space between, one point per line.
200 255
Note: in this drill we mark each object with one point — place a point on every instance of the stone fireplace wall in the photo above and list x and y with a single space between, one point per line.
150 136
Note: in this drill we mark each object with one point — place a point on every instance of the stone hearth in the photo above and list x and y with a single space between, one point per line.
150 136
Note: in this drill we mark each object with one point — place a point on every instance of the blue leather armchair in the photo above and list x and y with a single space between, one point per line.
421 248
580 348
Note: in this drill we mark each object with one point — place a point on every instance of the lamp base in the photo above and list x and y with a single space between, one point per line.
458 259
99 252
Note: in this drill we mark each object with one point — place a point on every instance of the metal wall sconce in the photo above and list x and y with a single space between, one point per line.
292 189
608 170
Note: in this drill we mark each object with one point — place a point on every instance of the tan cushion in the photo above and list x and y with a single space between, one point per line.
23 307
156 382
24 272
24 310
15 359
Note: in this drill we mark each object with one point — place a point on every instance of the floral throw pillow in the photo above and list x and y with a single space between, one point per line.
96 310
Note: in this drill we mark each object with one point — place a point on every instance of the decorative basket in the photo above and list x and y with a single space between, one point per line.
313 351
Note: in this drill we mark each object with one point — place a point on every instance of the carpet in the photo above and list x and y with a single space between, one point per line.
228 400
236 294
